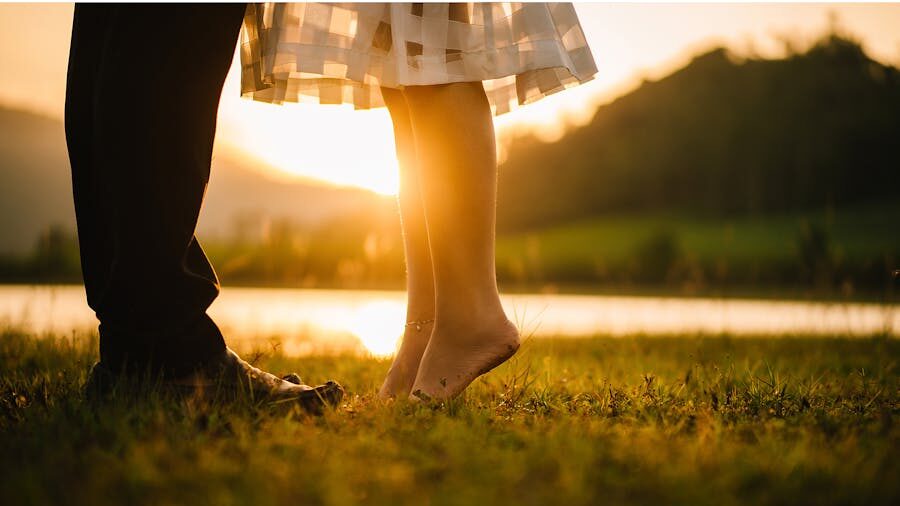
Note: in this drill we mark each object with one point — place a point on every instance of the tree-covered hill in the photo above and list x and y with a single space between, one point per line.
722 137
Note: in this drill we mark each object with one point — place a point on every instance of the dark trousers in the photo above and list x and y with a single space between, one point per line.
141 99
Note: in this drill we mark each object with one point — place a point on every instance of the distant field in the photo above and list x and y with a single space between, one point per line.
856 247
715 420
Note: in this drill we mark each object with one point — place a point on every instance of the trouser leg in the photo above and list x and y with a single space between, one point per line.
143 90
89 31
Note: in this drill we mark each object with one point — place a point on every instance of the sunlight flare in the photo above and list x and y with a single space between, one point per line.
378 325
333 144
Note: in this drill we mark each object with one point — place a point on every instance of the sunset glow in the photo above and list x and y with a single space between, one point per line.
630 43
333 144
338 145
378 326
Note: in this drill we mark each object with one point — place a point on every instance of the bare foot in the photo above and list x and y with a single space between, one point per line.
402 374
456 356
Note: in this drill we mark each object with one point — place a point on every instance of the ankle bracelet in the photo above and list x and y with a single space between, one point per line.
418 324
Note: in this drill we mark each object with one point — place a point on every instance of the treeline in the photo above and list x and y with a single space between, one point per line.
820 254
53 259
721 138
359 250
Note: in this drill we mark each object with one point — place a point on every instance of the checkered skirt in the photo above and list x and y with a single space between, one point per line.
343 53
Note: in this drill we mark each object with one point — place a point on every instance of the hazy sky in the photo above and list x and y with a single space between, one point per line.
629 42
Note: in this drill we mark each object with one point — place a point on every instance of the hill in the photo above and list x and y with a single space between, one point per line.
35 188
721 137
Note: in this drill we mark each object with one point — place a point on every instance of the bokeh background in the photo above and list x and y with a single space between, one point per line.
721 150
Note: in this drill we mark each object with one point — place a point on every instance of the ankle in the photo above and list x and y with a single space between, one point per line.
420 312
495 326
418 330
472 309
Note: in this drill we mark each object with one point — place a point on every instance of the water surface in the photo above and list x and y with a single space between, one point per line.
304 321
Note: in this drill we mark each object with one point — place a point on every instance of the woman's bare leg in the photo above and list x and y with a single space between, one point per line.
456 153
419 275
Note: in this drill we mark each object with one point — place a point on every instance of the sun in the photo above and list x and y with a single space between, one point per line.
330 143
334 144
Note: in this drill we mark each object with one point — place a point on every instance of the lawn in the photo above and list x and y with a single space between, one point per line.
639 420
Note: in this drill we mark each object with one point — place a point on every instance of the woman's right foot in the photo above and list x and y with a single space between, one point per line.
402 374
458 354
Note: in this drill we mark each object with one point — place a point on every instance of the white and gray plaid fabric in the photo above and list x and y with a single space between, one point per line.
343 53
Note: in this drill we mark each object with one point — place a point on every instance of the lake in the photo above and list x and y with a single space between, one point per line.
306 321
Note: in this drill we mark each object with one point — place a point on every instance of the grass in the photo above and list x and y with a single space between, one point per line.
852 248
689 420
858 232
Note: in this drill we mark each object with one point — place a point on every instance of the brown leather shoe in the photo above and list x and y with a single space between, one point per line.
229 372
230 376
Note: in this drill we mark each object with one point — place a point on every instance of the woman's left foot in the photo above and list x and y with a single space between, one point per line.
457 355
402 374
